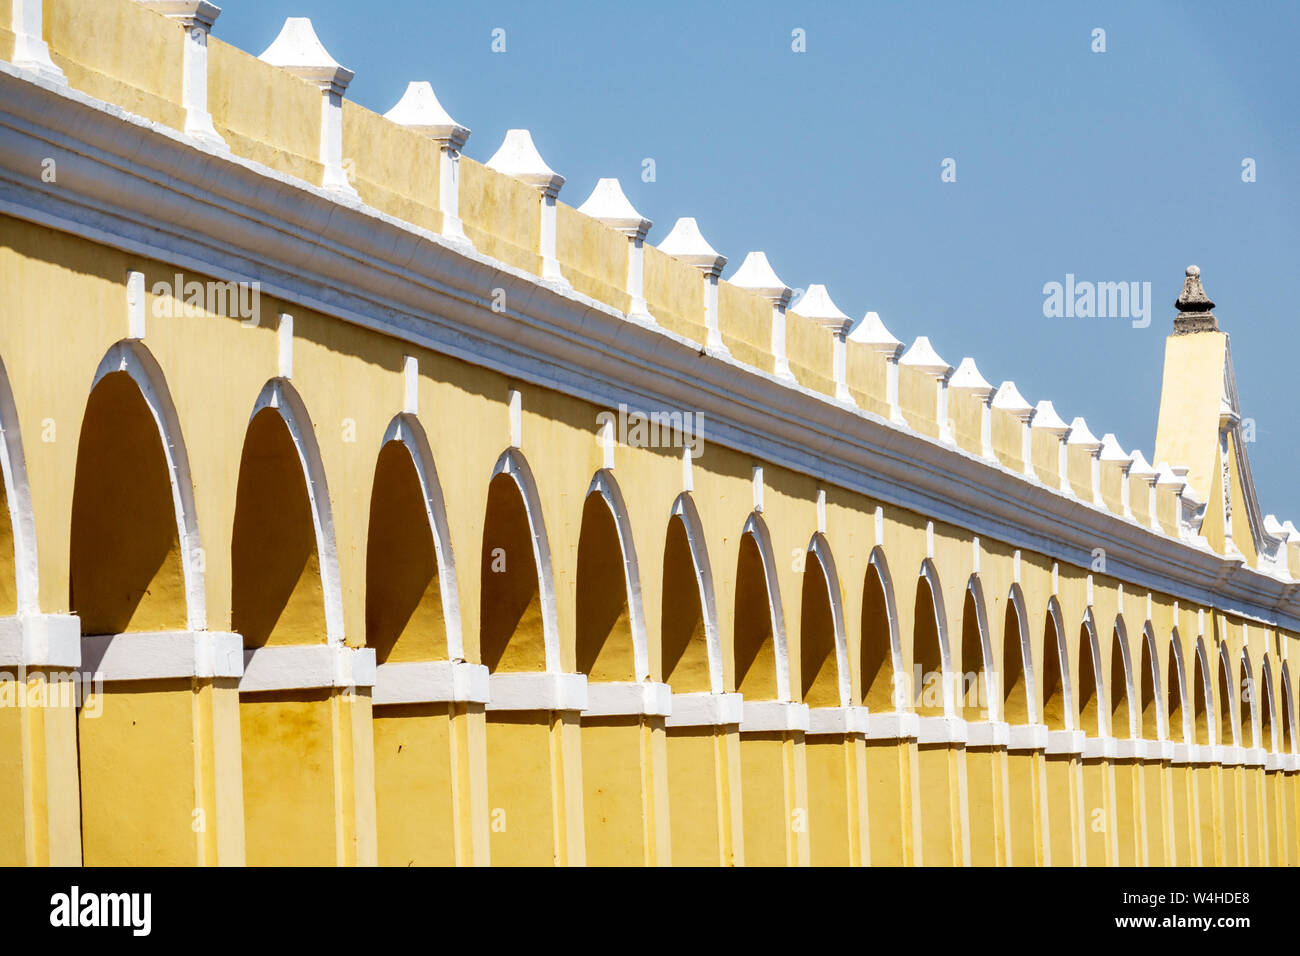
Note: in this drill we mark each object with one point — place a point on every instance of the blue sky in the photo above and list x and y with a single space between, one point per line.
1117 166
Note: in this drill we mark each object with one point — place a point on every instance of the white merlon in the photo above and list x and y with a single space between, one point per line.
685 242
1292 535
420 111
872 333
757 275
923 358
967 378
197 17
1081 437
518 157
816 304
1046 419
1112 452
1008 399
608 204
1273 526
31 52
1144 472
298 51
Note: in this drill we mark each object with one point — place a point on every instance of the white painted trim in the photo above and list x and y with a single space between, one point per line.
987 733
1017 597
1027 737
1098 748
941 730
283 398
1066 742
1254 756
407 429
156 192
1292 763
899 725
1130 693
13 465
705 710
306 667
880 565
40 640
537 690
820 548
1272 762
430 682
604 484
836 720
135 359
1062 655
757 528
628 699
513 464
684 508
769 716
161 655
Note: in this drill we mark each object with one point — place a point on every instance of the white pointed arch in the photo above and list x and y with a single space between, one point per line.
1162 719
1248 679
930 574
1207 690
1121 629
283 399
13 465
1230 705
604 484
684 508
1288 701
820 548
514 466
1089 624
878 565
133 358
1180 672
1016 597
976 588
757 527
1266 675
406 429
1062 660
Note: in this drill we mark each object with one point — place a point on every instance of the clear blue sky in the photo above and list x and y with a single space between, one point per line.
1115 166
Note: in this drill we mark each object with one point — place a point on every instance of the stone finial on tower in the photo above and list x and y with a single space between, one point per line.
609 205
1194 307
197 18
420 111
686 242
518 157
757 275
298 50
872 333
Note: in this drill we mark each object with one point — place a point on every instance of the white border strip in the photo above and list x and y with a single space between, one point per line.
543 690
773 716
1027 737
837 720
705 710
307 666
628 699
430 682
161 655
40 640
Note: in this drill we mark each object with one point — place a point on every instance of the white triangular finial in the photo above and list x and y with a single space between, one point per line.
967 378
757 275
872 333
1140 468
298 50
1008 399
609 205
1046 419
922 357
686 242
518 157
1082 436
816 304
419 110
1111 450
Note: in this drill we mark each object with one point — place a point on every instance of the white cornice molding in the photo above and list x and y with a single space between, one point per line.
139 187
